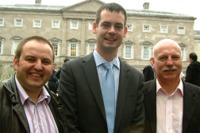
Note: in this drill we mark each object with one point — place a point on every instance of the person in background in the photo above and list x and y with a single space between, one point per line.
94 105
148 72
26 105
59 71
53 82
171 105
193 70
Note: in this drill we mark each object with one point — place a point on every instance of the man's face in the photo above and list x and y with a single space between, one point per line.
167 62
34 67
110 31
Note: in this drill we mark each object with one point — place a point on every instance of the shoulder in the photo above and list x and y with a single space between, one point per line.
150 84
80 60
191 87
130 68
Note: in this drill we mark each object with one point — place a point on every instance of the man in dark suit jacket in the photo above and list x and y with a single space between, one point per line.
191 108
171 105
81 84
193 70
148 72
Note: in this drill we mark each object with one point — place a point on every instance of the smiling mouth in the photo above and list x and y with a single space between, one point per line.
36 75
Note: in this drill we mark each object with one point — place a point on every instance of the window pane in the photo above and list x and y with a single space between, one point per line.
128 52
1 22
146 52
73 49
55 47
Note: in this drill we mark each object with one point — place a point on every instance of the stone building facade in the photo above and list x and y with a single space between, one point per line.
68 28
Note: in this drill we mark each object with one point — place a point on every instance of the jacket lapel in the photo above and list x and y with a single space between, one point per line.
189 105
90 70
21 115
15 100
123 83
150 104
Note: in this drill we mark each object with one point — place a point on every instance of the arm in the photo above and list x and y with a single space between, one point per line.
139 114
67 94
146 73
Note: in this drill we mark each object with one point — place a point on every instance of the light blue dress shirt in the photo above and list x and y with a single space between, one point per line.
100 69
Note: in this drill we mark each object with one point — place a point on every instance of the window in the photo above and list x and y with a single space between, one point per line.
181 30
183 53
90 25
73 48
130 27
15 42
1 45
91 47
18 22
55 47
55 24
128 51
146 52
146 28
163 29
1 21
37 23
74 24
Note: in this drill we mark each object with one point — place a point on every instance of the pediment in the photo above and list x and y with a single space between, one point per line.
85 6
146 43
128 42
73 40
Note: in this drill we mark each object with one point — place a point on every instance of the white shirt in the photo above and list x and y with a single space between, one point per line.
169 109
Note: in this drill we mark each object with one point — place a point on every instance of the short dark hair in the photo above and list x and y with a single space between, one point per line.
18 50
193 56
112 7
65 60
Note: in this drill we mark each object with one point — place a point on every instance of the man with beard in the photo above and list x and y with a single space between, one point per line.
171 105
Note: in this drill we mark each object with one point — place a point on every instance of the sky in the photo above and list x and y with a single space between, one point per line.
187 7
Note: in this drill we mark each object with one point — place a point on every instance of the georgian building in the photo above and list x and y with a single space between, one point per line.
69 29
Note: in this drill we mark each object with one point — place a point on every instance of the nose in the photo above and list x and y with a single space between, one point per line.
170 62
38 65
112 30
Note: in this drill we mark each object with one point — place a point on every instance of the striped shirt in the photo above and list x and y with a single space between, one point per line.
39 115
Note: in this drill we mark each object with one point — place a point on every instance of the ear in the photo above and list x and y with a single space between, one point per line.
125 31
94 27
16 63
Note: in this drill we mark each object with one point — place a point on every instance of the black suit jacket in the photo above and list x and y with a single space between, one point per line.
81 94
193 73
148 73
191 107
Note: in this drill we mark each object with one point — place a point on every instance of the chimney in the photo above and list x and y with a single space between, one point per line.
38 2
146 6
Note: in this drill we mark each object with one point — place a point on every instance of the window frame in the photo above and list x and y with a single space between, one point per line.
163 30
74 24
18 22
145 29
180 31
55 24
2 22
36 24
